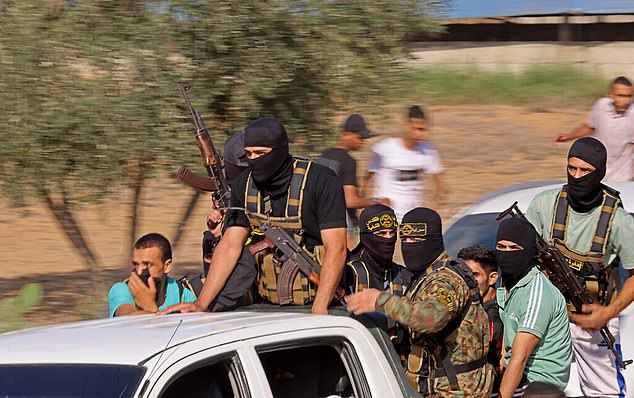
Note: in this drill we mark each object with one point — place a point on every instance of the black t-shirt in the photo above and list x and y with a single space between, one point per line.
323 204
495 345
346 166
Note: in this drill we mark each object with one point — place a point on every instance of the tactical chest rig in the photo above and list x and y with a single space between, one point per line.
588 265
430 355
397 282
279 282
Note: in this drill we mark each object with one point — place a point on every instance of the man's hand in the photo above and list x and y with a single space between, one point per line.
319 308
214 221
362 302
562 138
144 296
593 317
384 201
182 307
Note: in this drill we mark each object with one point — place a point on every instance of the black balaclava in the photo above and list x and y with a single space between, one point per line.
514 265
273 171
377 251
586 193
421 222
209 244
234 157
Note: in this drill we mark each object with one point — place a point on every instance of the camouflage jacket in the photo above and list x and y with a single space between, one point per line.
437 300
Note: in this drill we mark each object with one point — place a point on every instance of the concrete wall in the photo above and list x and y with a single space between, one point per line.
604 59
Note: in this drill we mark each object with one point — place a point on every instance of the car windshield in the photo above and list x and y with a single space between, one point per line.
470 230
80 380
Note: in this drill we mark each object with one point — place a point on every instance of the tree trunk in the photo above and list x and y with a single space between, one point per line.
180 228
65 218
136 204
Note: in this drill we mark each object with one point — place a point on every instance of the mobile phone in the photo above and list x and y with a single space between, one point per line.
145 275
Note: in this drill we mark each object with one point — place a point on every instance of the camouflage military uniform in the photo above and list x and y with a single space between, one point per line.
440 303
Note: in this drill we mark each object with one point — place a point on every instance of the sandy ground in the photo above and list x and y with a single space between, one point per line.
483 148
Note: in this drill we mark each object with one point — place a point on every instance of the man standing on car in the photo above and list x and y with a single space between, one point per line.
536 332
304 198
442 310
586 222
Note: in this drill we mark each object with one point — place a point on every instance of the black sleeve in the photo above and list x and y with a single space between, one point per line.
237 218
328 196
348 171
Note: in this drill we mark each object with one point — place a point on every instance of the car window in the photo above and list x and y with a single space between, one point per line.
314 370
470 230
69 380
220 379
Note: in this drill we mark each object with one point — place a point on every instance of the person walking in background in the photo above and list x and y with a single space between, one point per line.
399 164
339 160
611 121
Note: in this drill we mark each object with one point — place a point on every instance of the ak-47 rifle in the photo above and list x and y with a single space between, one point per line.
296 258
553 263
216 182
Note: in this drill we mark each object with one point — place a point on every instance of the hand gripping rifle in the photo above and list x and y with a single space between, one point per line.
293 258
216 182
553 263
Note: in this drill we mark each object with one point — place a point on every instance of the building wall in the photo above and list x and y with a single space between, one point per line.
607 59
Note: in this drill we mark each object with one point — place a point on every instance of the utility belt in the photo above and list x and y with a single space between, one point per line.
280 282
423 370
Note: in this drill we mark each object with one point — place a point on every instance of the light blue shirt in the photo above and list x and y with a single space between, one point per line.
120 294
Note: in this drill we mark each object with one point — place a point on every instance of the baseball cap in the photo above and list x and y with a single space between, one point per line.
355 124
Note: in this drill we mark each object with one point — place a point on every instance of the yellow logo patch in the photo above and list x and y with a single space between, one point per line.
445 298
383 221
413 229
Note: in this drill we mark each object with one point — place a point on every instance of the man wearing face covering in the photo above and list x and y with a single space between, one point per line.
370 264
586 222
442 309
536 333
298 195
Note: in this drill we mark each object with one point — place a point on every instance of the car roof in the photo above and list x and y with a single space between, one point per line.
501 199
131 340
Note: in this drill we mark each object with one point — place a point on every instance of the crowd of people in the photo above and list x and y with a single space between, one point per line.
488 323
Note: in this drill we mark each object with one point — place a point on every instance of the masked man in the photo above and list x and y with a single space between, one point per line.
442 309
148 289
304 198
370 264
585 221
533 311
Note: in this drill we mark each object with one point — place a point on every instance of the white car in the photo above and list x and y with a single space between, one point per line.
477 224
232 354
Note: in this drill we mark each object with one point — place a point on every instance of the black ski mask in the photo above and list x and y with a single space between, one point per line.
586 193
377 251
271 172
514 265
421 222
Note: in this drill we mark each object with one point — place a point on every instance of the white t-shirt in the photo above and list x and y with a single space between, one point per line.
398 172
616 132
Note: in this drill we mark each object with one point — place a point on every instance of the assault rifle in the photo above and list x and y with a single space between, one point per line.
216 182
553 263
294 259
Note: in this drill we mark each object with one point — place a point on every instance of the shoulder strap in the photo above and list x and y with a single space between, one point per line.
361 274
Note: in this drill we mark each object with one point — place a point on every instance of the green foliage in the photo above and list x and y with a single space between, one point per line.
537 87
13 309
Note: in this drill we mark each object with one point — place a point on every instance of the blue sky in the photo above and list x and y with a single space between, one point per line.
495 8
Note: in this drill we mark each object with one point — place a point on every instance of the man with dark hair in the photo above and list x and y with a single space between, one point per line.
586 222
481 260
611 121
399 164
339 160
536 333
148 289
304 198
442 310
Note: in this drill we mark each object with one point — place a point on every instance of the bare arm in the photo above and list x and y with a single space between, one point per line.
353 200
222 264
439 193
334 240
581 131
523 346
